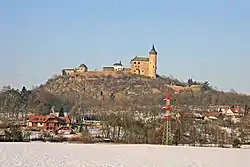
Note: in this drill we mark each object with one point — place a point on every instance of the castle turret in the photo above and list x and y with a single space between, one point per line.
152 67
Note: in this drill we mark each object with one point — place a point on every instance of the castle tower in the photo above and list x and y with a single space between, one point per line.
152 67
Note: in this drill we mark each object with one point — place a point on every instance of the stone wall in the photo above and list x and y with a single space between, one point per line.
95 74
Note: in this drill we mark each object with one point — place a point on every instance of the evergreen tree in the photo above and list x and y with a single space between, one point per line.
190 82
61 112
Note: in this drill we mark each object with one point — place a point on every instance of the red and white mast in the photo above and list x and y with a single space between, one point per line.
167 124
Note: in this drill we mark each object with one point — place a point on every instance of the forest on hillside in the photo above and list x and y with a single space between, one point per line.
135 93
121 101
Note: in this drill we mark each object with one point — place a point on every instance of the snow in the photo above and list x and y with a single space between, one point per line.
108 155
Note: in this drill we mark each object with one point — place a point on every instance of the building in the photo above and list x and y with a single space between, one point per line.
146 66
47 122
115 67
82 68
118 66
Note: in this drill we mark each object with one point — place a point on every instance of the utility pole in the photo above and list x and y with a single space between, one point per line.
166 138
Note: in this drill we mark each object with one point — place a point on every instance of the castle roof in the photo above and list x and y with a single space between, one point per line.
153 51
83 65
140 59
118 64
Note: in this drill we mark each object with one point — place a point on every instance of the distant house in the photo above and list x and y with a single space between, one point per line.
81 69
230 112
212 115
115 67
47 122
188 114
118 66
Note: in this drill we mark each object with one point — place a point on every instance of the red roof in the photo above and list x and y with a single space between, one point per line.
234 110
187 114
44 118
39 118
66 119
213 114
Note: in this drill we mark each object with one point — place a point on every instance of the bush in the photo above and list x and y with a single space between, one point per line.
83 138
236 143
14 133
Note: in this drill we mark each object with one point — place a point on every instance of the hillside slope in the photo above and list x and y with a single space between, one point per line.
106 93
136 91
130 102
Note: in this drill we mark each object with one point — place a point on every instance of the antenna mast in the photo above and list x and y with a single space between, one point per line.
166 139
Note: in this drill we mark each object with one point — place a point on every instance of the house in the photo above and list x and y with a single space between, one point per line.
47 122
230 112
92 122
118 66
212 115
81 69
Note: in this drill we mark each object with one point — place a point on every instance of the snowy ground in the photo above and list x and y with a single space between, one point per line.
105 155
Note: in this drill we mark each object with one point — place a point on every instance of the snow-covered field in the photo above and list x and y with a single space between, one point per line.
106 155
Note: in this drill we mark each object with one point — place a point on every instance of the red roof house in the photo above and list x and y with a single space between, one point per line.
46 122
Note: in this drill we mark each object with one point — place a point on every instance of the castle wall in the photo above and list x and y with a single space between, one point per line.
94 74
139 67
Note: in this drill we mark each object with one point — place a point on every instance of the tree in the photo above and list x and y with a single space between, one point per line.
205 86
14 133
61 112
190 82
6 88
232 91
246 109
236 143
177 137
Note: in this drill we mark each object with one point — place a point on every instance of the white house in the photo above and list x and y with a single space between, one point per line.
118 66
230 112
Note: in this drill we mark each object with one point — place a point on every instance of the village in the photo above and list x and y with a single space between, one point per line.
60 125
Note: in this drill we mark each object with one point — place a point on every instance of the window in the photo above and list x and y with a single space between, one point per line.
134 71
134 62
139 62
138 66
153 66
142 71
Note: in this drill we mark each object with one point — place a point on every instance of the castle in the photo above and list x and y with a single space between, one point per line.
146 66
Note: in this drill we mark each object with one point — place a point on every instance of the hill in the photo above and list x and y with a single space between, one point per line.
131 104
108 93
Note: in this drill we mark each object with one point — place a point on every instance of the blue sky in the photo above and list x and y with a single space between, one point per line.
204 40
